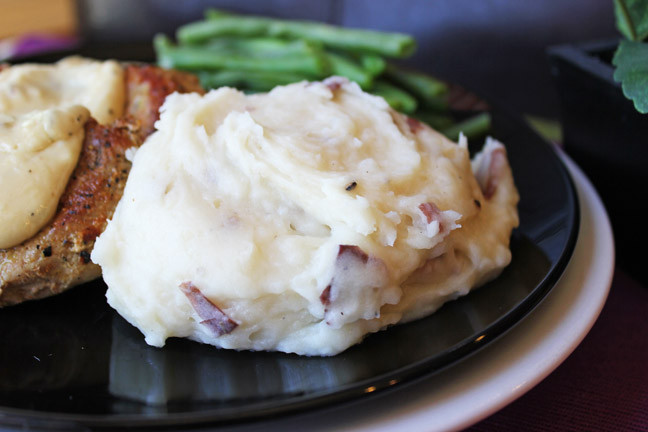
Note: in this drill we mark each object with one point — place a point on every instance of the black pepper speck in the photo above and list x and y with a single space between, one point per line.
85 257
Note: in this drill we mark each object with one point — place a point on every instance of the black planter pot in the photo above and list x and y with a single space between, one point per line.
608 138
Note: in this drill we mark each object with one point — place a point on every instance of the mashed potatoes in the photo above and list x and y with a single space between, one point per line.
300 220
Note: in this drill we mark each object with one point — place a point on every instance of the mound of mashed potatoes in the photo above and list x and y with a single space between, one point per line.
300 220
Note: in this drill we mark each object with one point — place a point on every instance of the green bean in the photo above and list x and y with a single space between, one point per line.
263 46
338 64
356 40
434 119
161 43
199 32
373 64
430 91
398 99
439 105
258 53
471 127
258 81
195 57
344 66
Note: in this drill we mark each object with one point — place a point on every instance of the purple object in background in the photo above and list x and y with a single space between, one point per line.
40 43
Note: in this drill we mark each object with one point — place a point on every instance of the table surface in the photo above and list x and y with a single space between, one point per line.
603 384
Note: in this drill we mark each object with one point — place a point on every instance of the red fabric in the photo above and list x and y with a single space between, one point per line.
603 385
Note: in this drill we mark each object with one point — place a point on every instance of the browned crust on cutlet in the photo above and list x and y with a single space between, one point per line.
58 256
148 86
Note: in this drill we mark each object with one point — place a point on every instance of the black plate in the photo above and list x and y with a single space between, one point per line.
71 360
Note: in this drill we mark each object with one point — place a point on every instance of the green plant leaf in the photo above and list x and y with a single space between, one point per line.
632 18
631 61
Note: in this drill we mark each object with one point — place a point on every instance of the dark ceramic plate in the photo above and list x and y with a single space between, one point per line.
72 361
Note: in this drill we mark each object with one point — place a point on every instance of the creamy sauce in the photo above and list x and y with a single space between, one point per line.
43 109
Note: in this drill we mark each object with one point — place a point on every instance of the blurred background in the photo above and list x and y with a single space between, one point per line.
494 47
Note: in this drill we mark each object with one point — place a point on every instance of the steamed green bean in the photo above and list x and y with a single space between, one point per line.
354 40
398 99
472 127
199 58
257 81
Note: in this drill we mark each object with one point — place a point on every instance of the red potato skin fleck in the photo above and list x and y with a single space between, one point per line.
334 85
354 250
414 125
432 213
497 163
213 317
430 210
325 297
